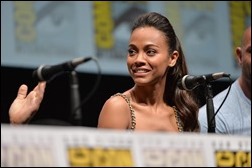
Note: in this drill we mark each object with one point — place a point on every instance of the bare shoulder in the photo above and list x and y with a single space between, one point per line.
115 104
115 113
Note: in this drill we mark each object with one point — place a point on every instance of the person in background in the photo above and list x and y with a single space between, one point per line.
155 62
234 117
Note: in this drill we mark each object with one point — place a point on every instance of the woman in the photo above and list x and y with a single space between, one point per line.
155 62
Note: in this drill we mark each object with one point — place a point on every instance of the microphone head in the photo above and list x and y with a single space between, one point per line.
47 72
182 83
179 84
37 74
189 82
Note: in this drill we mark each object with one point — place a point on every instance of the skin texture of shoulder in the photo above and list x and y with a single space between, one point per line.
115 114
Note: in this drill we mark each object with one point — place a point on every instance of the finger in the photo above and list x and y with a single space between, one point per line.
42 86
22 91
39 91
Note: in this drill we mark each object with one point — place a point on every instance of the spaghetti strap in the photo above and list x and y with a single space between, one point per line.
132 112
178 120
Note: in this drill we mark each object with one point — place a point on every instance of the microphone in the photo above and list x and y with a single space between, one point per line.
45 72
189 82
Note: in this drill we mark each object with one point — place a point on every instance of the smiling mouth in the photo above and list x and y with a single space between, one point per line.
140 70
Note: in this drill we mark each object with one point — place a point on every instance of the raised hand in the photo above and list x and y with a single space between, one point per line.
25 106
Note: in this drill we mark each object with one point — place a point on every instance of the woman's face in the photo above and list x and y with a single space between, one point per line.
148 56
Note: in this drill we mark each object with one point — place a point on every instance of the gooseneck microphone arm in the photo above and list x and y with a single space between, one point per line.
210 108
76 113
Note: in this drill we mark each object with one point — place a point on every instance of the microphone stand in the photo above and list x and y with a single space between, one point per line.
76 114
210 108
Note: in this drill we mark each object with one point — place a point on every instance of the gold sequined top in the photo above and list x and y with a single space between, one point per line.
133 117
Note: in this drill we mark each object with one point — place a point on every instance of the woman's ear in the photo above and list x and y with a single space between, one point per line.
173 58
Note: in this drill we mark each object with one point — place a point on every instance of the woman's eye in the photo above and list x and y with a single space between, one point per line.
151 52
131 51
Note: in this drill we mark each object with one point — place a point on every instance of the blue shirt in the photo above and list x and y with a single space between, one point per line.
234 117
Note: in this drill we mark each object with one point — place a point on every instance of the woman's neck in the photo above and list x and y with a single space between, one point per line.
147 95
